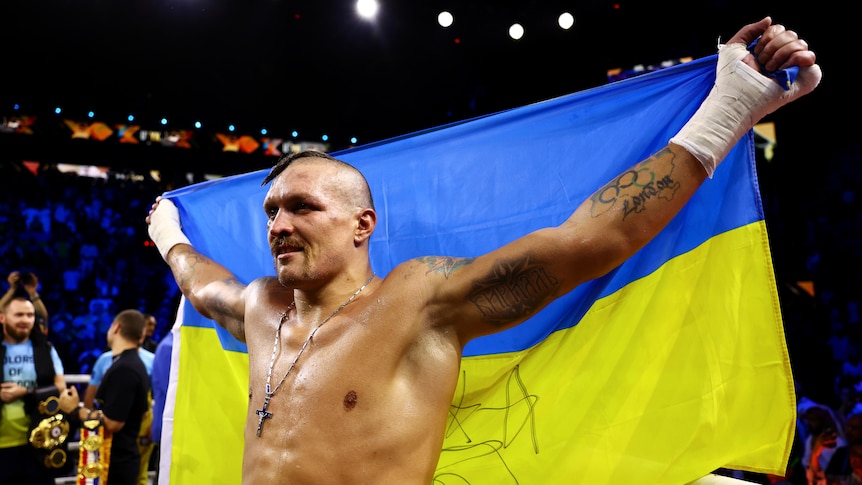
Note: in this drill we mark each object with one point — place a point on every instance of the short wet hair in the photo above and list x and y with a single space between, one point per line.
286 160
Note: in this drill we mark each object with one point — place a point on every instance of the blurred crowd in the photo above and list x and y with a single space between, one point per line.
85 241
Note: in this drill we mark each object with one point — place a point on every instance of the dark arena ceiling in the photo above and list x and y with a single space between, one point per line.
317 68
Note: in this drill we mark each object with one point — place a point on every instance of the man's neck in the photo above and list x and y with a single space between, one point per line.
121 347
11 341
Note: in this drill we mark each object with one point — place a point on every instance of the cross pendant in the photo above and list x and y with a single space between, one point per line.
264 414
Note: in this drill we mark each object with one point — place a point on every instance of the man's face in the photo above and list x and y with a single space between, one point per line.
18 320
311 226
818 420
150 329
853 428
110 334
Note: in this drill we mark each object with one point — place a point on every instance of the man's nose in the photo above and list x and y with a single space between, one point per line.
280 224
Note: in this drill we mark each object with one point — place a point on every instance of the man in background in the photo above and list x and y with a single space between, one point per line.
27 284
122 399
29 362
150 342
103 362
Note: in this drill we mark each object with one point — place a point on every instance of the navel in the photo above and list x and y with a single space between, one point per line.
350 400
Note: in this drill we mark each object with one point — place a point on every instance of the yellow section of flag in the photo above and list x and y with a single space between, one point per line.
210 430
675 375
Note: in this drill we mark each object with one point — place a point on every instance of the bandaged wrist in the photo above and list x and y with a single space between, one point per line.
740 97
165 229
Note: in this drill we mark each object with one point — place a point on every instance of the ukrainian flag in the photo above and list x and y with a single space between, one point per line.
669 367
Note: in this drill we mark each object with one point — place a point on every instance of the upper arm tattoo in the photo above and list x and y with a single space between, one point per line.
220 305
444 265
223 313
635 186
514 290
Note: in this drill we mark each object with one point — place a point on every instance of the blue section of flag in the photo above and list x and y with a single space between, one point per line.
467 188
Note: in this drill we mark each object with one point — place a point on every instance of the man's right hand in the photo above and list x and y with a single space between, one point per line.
165 228
778 48
743 94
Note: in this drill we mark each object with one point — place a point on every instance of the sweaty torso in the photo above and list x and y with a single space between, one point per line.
366 402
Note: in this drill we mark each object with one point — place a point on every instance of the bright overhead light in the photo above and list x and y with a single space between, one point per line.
566 20
445 19
367 9
516 31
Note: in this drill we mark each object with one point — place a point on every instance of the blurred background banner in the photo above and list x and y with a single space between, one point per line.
671 366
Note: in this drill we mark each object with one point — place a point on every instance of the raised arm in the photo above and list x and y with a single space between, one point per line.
13 284
509 285
14 279
31 285
211 288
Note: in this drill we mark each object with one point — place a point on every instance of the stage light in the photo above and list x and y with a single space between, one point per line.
263 131
324 137
445 19
516 31
294 134
131 118
367 9
164 121
198 124
90 114
566 20
353 139
231 128
57 110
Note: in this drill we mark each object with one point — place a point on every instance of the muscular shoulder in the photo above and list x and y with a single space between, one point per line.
267 289
436 283
470 296
270 298
429 269
264 284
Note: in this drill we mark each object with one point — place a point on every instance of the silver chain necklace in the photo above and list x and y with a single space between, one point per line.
262 413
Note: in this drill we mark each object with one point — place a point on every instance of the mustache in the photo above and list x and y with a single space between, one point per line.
283 242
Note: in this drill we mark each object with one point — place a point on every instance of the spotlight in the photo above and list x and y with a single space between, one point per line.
516 31
445 19
566 20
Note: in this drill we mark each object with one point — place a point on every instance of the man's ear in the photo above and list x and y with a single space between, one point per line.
365 227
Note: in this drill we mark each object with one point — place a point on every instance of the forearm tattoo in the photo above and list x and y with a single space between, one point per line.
514 290
184 262
634 187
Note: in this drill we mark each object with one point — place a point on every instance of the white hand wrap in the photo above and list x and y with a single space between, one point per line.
165 229
739 99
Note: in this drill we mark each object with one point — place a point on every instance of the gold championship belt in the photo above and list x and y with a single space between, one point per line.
50 433
94 453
